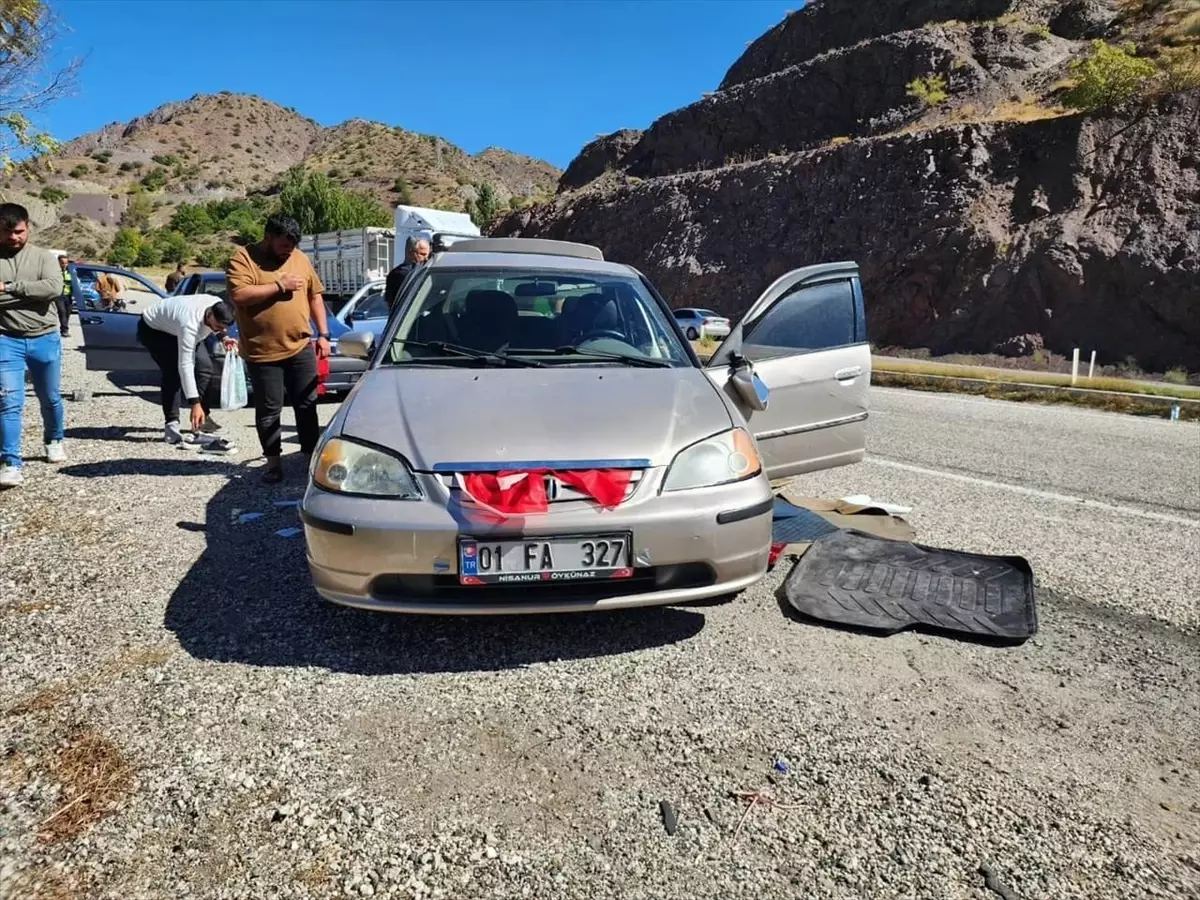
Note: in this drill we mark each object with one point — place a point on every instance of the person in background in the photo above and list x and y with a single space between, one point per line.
173 330
175 277
416 253
30 285
64 299
108 286
276 294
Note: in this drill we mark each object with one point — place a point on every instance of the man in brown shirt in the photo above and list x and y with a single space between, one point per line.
277 297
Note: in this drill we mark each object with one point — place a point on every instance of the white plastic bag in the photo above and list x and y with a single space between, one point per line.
233 381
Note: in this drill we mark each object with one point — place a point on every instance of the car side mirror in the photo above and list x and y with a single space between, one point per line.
358 315
750 389
356 344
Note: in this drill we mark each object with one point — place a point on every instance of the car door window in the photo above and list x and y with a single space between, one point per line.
372 306
214 287
810 317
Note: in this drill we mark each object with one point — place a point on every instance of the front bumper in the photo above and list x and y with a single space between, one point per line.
402 556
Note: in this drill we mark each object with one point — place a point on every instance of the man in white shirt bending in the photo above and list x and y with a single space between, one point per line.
173 330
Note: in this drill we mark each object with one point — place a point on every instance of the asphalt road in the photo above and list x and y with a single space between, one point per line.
1106 506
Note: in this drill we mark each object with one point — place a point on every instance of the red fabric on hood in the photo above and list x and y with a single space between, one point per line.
510 493
516 493
606 486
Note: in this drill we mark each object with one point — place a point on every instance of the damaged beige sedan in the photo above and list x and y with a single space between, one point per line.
535 434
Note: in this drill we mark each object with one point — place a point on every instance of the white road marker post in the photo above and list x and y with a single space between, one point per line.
1075 367
1092 365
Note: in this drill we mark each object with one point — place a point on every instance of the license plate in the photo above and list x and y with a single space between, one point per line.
584 558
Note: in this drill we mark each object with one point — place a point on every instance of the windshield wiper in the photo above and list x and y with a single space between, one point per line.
470 353
647 361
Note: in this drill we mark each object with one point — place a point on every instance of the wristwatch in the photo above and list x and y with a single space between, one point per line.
324 335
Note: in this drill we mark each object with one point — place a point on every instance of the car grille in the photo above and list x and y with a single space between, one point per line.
556 491
447 588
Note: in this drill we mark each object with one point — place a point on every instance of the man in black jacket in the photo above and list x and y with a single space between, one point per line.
416 253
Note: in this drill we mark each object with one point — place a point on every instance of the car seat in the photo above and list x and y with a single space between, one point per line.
488 321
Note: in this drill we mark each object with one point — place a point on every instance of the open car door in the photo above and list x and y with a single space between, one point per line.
798 366
110 341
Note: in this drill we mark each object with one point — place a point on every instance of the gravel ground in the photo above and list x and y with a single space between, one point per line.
179 717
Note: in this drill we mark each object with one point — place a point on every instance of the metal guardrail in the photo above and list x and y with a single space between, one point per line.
1047 388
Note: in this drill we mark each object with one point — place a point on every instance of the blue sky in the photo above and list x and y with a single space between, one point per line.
540 77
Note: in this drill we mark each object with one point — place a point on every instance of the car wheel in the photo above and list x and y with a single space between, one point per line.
692 334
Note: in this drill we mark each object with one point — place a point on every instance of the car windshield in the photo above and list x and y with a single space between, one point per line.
550 317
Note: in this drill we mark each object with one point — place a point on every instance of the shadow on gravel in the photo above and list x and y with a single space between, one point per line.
249 599
188 463
120 433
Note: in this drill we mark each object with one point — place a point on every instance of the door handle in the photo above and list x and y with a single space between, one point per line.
91 320
848 374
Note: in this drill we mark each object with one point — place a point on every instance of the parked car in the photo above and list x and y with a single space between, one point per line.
367 310
515 359
343 371
698 322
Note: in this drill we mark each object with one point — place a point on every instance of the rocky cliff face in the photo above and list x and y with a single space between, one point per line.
992 217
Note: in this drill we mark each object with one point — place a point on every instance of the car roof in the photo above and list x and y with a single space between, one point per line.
527 261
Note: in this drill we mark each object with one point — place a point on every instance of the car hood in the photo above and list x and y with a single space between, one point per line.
502 416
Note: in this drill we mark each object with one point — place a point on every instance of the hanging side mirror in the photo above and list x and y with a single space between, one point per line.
750 389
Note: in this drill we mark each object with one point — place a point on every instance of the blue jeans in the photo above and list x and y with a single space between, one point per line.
43 357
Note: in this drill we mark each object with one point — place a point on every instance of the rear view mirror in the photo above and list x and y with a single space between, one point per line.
750 389
536 289
356 344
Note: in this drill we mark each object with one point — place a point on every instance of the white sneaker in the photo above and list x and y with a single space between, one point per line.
11 477
55 452
171 433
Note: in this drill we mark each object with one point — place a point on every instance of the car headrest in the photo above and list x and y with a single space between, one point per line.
488 319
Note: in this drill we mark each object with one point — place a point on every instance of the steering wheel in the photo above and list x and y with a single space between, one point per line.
599 333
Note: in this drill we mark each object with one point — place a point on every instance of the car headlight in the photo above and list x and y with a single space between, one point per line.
722 459
349 468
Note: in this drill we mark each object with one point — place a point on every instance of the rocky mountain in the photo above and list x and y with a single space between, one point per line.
926 140
225 145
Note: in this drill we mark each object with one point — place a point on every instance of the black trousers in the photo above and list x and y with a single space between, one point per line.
64 312
164 348
295 379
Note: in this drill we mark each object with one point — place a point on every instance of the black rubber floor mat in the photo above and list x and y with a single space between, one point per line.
861 581
793 524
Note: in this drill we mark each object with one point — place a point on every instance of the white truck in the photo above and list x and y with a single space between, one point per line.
348 259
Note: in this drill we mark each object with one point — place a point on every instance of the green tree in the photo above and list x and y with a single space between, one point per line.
1108 76
28 82
172 246
137 211
192 220
148 254
125 247
487 205
215 257
317 204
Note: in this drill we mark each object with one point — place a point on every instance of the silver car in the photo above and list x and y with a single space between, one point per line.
697 323
535 434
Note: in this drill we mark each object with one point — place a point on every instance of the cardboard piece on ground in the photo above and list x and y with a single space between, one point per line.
872 519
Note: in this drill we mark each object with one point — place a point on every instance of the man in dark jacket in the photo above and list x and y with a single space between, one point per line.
416 253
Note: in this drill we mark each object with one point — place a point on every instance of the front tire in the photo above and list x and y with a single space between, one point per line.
693 334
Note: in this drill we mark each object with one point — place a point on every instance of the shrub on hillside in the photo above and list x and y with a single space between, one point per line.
53 194
1108 76
79 171
930 90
